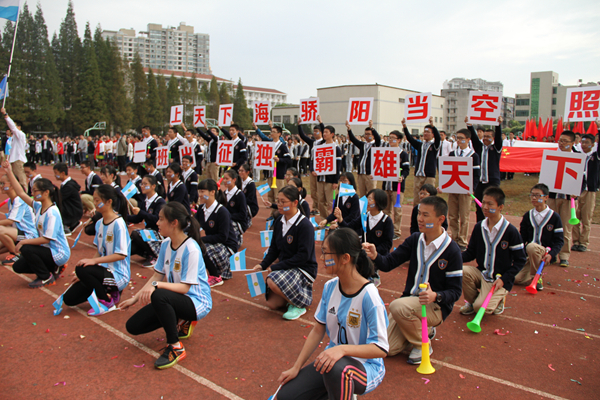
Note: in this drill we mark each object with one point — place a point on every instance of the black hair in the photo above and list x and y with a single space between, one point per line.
176 168
330 128
146 127
234 175
189 158
278 129
429 188
346 241
294 171
428 126
350 177
235 126
119 202
317 128
291 193
150 162
465 132
543 187
589 136
299 185
61 167
439 205
369 129
211 186
247 168
496 193
190 226
110 170
18 123
398 134
151 179
132 165
44 184
31 165
84 164
380 198
489 130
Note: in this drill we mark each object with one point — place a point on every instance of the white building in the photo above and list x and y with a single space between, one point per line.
474 84
170 48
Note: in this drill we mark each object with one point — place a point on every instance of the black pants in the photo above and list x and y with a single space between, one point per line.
348 376
90 278
479 194
164 311
139 247
122 161
37 260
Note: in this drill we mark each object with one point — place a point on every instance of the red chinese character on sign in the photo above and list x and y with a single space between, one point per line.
264 155
199 116
309 110
359 111
384 163
485 104
261 112
455 174
418 107
324 160
226 110
225 153
584 104
561 169
162 157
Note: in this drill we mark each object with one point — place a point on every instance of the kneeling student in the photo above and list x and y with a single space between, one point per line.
498 248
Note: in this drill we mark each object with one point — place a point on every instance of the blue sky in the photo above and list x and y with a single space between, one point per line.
298 47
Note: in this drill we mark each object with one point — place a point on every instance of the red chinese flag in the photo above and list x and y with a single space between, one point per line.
593 128
540 130
559 129
521 159
581 128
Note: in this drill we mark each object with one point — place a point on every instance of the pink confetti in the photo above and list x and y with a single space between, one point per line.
567 319
41 305
47 330
139 366
550 366
498 332
461 376
112 358
60 383
426 380
585 275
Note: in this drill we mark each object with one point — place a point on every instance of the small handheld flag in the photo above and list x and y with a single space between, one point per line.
363 204
265 238
265 253
256 284
9 9
237 262
148 235
319 235
129 190
262 189
77 239
58 305
346 190
98 307
268 224
3 88
314 222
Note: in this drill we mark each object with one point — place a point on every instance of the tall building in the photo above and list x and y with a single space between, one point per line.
457 103
474 84
546 97
170 48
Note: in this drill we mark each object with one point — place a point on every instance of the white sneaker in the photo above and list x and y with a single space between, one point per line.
415 355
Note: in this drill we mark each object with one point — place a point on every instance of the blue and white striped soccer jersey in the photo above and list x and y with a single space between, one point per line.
356 320
186 265
22 217
114 239
49 225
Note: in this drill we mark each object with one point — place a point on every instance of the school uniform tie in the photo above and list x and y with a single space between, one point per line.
484 165
421 170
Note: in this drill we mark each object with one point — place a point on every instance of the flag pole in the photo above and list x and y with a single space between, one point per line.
12 51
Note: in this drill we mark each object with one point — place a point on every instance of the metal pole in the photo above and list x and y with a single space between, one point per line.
12 51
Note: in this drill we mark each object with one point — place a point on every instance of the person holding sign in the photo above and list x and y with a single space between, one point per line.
326 184
497 247
107 273
281 156
372 139
175 141
489 150
586 201
435 260
148 212
541 228
290 280
212 140
178 290
240 155
459 205
312 142
150 145
425 164
353 315
391 188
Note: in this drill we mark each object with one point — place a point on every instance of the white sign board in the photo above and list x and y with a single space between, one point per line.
484 107
562 172
385 163
417 108
360 110
456 174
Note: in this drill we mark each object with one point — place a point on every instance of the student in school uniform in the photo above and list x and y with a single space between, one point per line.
240 152
303 205
425 191
31 172
281 155
176 190
249 190
391 188
235 202
541 229
426 162
312 142
372 139
349 206
459 205
178 290
586 201
131 170
174 144
497 247
110 176
434 260
47 254
353 315
148 212
489 150
212 139
190 178
92 181
290 280
107 273
18 225
71 208
160 182
326 184
221 240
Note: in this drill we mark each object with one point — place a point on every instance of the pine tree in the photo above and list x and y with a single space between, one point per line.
155 115
140 93
213 99
173 95
118 99
204 94
162 95
224 90
184 90
241 113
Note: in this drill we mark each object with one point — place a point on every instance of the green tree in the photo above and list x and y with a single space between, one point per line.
241 112
118 88
173 95
155 114
213 99
162 95
204 94
140 93
224 90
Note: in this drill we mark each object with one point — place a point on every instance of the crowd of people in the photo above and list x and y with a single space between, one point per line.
195 216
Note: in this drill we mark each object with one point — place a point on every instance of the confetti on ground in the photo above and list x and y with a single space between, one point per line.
550 366
498 332
81 336
567 319
47 330
574 380
34 324
581 329
461 376
65 383
113 357
580 298
139 366
426 380
67 317
536 332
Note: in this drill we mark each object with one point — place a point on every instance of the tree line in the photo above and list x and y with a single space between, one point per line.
66 85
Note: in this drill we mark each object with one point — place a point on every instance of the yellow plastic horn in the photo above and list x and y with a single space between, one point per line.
274 184
425 367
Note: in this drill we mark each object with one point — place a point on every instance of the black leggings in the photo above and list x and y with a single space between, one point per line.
139 247
37 260
90 278
164 311
348 376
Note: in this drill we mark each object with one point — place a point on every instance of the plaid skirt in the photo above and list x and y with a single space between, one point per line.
239 233
219 254
294 285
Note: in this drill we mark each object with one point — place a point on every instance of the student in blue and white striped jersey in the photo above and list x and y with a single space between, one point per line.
18 224
353 315
46 255
177 296
107 273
